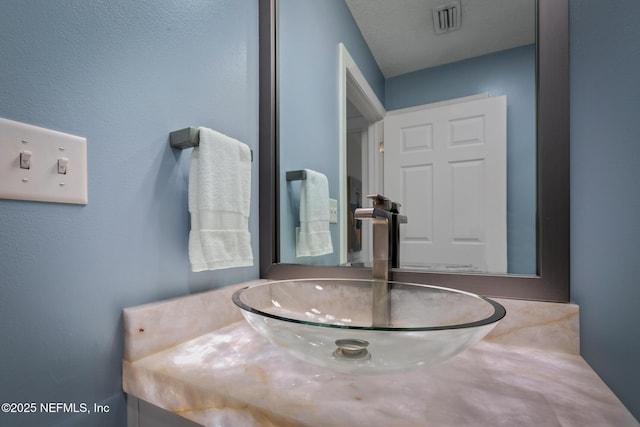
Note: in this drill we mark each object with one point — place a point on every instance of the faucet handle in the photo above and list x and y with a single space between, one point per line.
380 201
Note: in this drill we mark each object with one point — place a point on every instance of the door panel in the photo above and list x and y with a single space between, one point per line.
447 167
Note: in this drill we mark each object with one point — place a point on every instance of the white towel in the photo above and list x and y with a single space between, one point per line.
313 237
219 201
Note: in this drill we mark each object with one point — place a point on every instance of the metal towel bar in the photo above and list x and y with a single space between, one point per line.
187 138
300 175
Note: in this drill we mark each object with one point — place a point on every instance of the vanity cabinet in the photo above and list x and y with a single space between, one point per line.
144 414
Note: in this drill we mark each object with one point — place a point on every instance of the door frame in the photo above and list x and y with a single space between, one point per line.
353 85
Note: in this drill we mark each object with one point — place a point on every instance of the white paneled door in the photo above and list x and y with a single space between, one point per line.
446 165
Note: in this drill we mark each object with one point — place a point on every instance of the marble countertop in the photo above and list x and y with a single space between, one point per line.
219 371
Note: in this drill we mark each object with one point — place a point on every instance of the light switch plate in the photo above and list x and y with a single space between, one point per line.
333 211
42 181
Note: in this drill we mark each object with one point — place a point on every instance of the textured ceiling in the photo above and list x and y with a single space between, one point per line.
401 36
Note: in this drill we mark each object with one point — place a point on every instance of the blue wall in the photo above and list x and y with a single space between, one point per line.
122 74
511 73
309 34
605 189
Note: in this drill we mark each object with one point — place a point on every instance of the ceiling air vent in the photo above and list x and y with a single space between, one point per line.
446 18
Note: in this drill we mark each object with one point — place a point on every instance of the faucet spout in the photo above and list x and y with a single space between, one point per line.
380 220
366 213
385 221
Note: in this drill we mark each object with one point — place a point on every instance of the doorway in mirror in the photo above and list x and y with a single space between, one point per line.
446 164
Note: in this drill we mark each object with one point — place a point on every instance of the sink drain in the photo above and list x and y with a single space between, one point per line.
352 349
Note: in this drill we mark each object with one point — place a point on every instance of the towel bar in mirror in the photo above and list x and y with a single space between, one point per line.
299 175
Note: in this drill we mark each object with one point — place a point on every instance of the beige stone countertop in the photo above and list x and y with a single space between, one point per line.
196 357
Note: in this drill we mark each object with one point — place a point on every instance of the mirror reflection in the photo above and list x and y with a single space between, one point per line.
429 102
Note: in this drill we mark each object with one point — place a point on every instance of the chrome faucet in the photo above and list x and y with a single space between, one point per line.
386 251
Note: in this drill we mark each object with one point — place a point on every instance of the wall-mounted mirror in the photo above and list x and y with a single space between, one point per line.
478 75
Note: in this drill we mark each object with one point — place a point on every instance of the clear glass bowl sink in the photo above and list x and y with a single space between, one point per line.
328 322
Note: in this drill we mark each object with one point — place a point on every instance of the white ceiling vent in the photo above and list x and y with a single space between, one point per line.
446 18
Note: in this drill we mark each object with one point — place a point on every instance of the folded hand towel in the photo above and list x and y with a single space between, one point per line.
313 237
219 201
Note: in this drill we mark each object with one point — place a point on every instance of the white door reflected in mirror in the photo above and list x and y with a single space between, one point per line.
446 165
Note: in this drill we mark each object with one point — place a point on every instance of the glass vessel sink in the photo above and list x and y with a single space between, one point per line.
328 322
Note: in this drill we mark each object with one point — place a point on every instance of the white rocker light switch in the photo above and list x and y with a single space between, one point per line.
63 163
25 159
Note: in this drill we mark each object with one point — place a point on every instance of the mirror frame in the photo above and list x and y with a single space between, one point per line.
552 81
